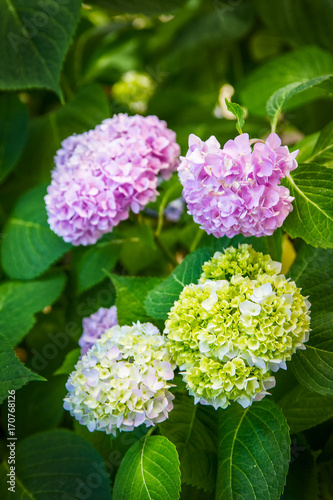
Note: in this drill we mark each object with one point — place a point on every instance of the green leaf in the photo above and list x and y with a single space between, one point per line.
99 440
86 110
254 451
103 255
149 470
192 428
130 297
139 252
278 100
302 475
301 22
312 215
313 272
28 230
39 407
304 409
298 66
160 300
57 464
20 300
69 362
314 366
305 146
34 42
239 113
323 149
148 7
13 374
13 132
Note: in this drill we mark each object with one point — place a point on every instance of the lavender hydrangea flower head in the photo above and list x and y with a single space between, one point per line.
102 174
241 323
236 189
95 325
123 381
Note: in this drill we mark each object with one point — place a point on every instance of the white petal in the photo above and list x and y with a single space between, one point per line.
248 307
261 293
210 302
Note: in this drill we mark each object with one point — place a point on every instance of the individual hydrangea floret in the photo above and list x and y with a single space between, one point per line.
228 335
95 325
102 174
123 381
236 189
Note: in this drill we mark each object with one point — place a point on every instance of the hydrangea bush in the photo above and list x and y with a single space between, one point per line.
166 249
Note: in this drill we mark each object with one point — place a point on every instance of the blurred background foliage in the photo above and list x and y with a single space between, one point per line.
175 59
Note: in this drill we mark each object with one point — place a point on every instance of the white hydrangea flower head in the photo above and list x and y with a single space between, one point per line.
123 381
228 335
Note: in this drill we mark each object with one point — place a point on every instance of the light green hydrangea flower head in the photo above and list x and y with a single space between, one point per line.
122 381
229 335
243 260
134 89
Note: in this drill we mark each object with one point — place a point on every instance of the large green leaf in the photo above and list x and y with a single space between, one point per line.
13 132
28 230
323 148
86 110
139 250
312 215
39 407
69 362
192 428
131 293
298 66
149 7
279 99
160 300
304 409
34 42
13 374
299 21
314 366
20 300
100 257
149 470
313 272
254 452
56 465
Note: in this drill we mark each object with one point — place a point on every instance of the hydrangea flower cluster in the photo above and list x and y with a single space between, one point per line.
134 89
104 173
95 325
122 381
236 190
242 322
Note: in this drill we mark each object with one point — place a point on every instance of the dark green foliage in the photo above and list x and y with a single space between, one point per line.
59 61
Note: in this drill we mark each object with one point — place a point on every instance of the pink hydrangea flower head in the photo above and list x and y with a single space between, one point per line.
104 173
96 325
237 189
